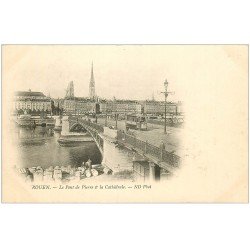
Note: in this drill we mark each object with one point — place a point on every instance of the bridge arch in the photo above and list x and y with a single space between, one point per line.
85 126
77 127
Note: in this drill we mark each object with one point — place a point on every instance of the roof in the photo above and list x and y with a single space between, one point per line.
119 101
158 102
82 99
28 93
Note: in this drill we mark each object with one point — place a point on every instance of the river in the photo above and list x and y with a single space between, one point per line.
39 147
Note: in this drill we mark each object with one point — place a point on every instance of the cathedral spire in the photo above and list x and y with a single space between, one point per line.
92 84
92 74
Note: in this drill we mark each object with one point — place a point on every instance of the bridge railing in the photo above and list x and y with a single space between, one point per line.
95 126
157 152
97 137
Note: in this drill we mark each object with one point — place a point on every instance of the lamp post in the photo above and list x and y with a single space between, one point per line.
106 118
166 93
116 117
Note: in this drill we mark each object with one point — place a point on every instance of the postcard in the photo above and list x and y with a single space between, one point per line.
124 123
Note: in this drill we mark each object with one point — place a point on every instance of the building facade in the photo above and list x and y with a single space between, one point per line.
78 105
85 106
158 108
30 102
120 106
69 106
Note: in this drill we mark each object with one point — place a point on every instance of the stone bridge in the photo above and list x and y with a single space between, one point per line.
148 160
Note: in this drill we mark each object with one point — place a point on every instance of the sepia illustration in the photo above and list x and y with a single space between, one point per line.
81 115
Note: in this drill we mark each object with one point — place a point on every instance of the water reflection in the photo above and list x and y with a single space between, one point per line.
39 146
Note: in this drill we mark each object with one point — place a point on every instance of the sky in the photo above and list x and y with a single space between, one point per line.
123 71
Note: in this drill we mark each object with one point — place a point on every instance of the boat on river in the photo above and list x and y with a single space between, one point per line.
33 121
24 121
74 139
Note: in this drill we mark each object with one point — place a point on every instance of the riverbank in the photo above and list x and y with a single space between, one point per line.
70 174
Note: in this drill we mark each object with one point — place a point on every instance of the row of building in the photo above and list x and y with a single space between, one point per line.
36 102
85 105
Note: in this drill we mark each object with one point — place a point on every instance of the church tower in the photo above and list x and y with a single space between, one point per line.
92 84
70 90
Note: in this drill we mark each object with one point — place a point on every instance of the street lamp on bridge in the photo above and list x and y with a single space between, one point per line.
166 93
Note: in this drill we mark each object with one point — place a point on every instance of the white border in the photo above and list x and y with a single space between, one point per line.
124 226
